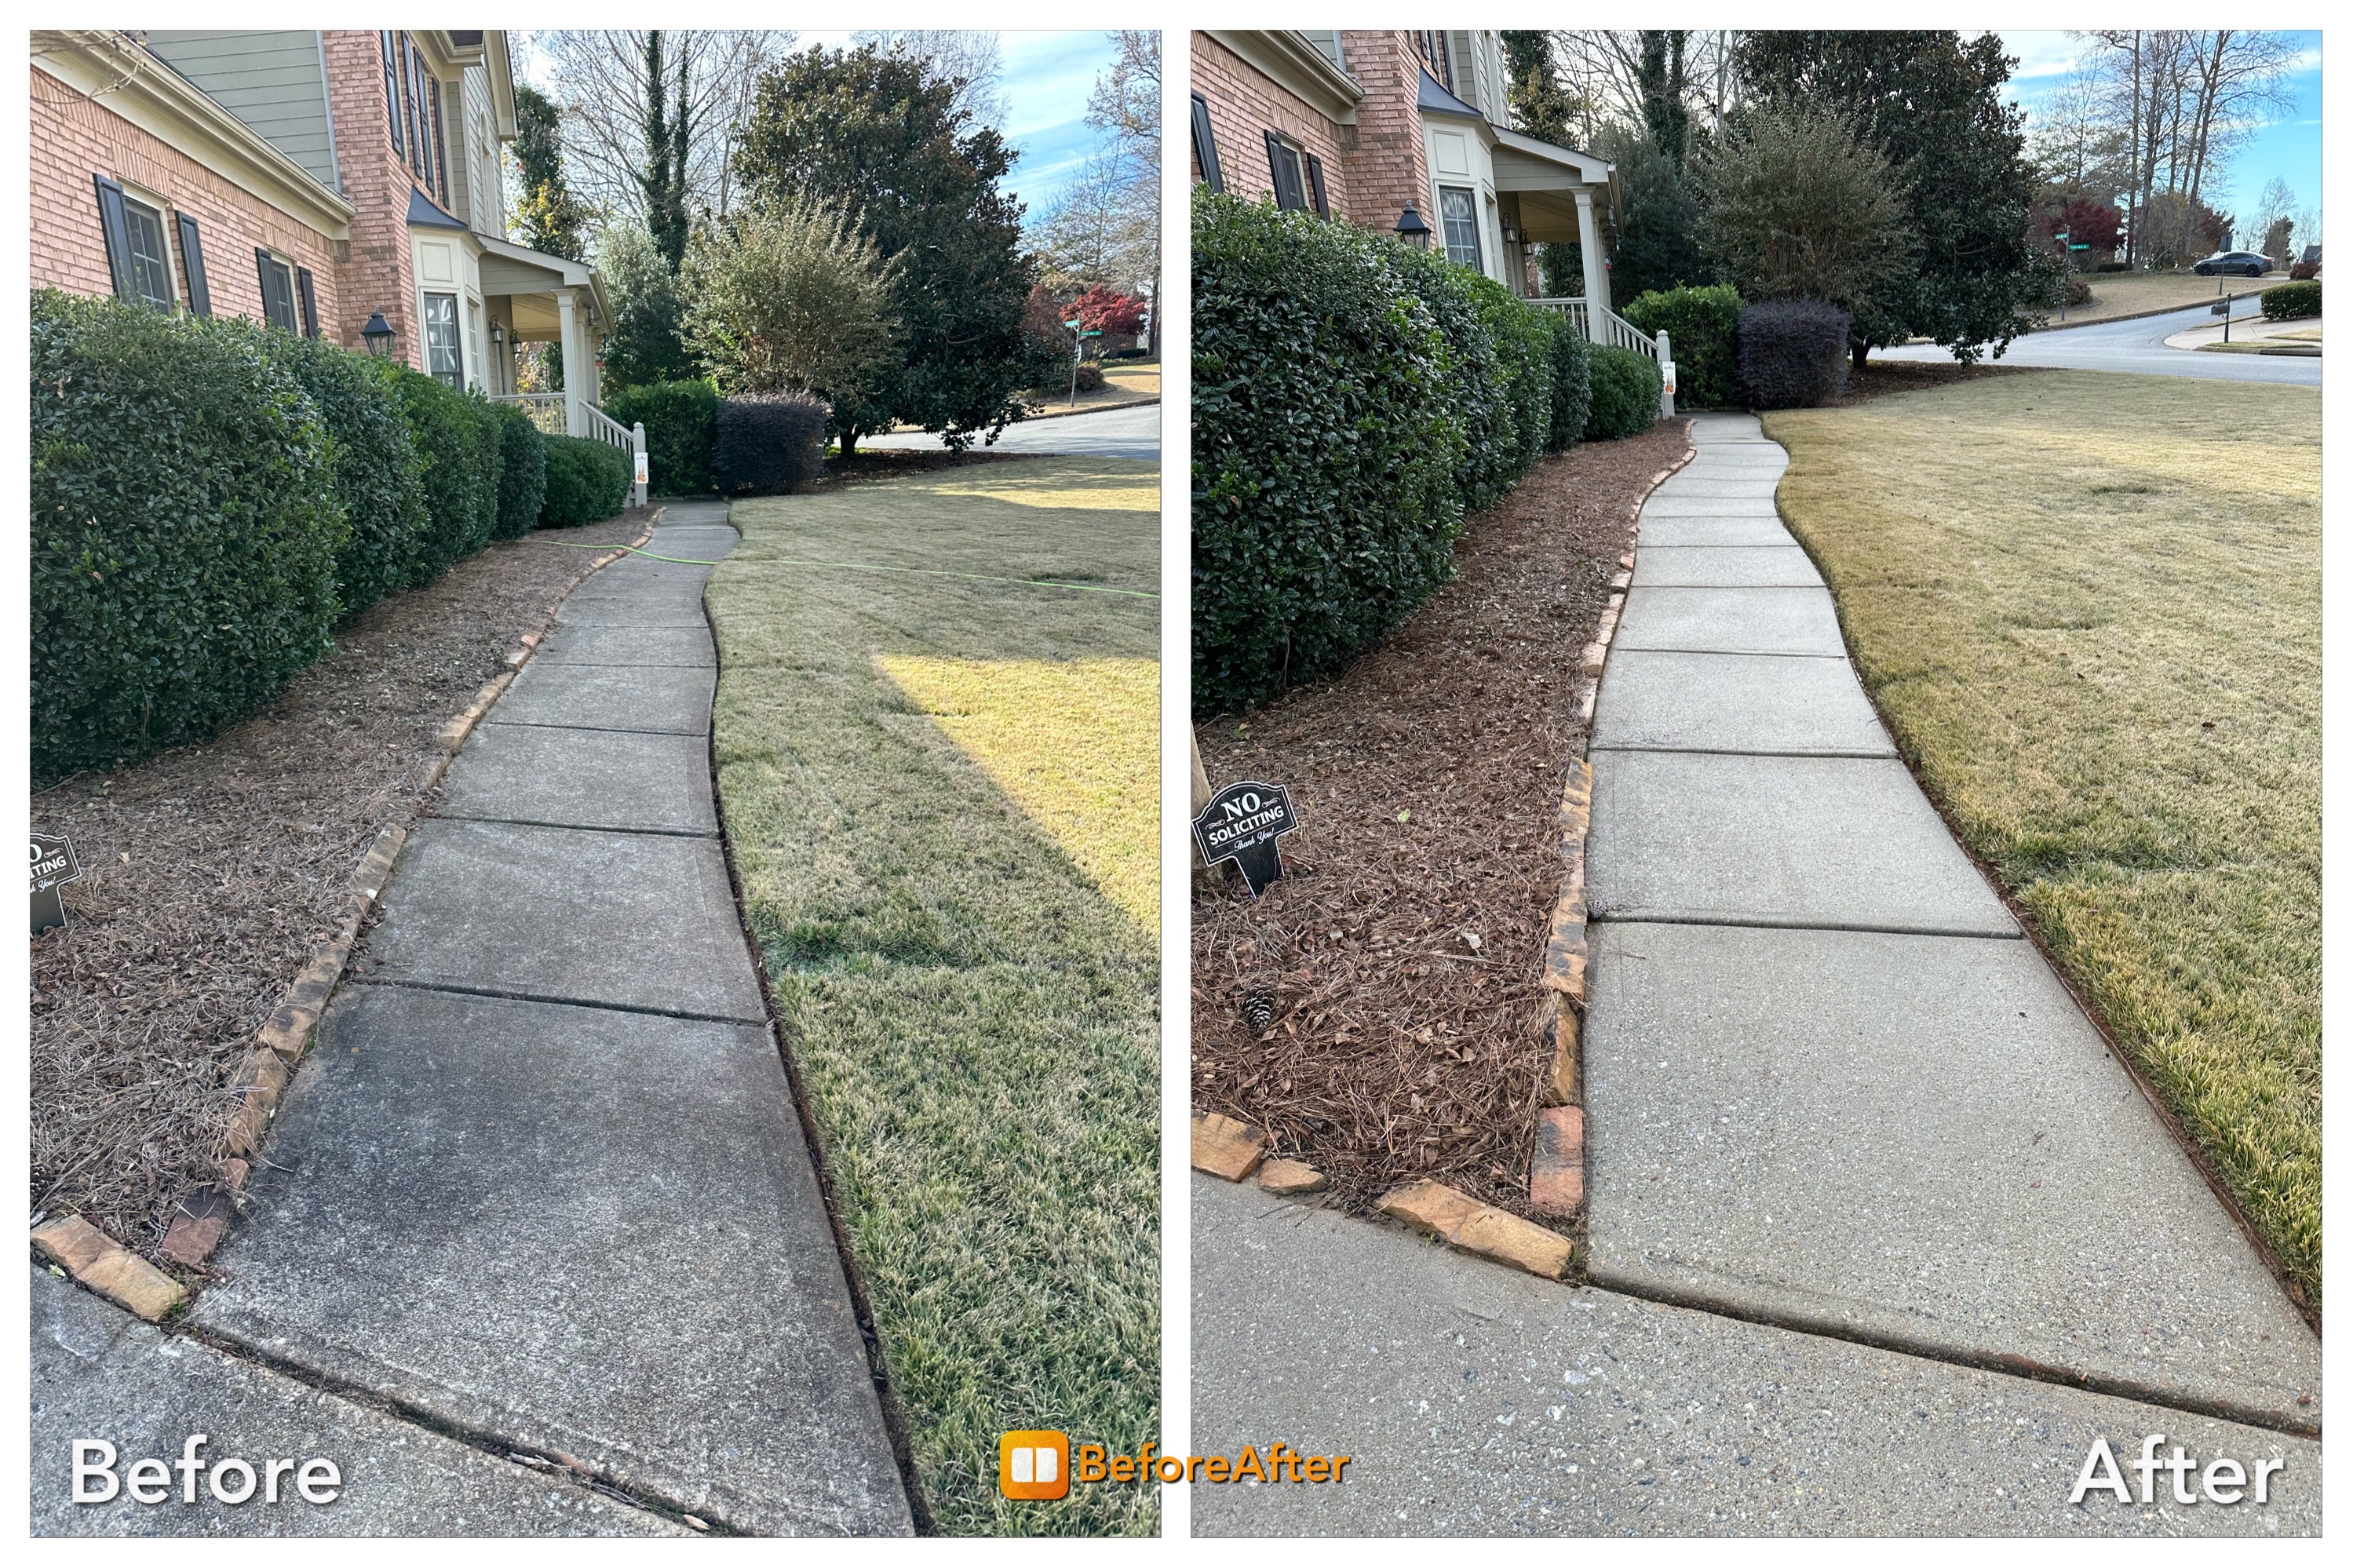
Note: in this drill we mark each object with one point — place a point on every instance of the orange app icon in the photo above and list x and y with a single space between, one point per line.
1033 1465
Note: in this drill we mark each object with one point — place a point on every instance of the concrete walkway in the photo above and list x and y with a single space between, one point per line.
1828 1083
1882 1240
542 1182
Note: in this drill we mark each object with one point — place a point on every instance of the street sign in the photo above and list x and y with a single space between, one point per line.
1240 823
53 867
1072 325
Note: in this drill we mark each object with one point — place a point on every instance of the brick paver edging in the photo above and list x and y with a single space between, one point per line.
97 1260
1235 1150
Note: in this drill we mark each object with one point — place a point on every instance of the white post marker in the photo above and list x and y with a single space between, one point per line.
638 448
1666 376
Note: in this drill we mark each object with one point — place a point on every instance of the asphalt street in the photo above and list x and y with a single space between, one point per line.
1113 433
2137 347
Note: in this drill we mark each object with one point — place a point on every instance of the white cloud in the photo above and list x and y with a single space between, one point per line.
2042 54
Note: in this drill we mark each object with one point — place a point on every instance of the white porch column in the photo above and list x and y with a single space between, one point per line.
577 367
1588 242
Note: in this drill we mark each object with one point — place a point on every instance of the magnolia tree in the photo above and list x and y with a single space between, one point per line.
1797 208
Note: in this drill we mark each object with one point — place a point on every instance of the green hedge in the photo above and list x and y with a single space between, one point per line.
1702 328
2292 301
522 472
458 437
1480 383
680 419
1625 387
1572 383
1524 343
1324 446
185 529
377 477
587 482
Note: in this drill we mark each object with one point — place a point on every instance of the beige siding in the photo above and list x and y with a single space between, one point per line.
274 81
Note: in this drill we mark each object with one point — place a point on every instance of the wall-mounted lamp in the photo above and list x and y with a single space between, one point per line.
497 336
1412 230
378 334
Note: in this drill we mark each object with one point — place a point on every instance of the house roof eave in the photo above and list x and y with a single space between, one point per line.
1291 62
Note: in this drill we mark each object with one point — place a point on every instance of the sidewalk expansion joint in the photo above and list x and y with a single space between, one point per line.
1832 756
1733 652
549 1463
1792 922
606 728
575 827
498 995
2021 1367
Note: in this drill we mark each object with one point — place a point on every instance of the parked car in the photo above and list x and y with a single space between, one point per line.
2229 262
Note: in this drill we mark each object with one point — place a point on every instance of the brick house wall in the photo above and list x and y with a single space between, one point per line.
1244 105
381 274
1389 164
74 138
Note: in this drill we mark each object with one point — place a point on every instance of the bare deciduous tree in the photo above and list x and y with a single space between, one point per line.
975 58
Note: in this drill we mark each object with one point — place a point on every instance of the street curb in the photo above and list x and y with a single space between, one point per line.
261 1078
2140 315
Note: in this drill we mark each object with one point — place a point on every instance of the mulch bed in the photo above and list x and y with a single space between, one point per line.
214 871
1878 378
1402 952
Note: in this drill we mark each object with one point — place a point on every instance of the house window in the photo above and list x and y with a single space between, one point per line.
1204 146
1290 176
1457 215
276 291
440 146
150 263
1430 44
444 359
474 331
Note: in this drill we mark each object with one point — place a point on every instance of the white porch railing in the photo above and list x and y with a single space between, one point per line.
1616 331
547 410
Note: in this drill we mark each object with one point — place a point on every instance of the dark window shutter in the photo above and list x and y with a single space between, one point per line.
392 85
261 266
440 146
117 229
310 302
1275 167
1204 146
191 266
1315 180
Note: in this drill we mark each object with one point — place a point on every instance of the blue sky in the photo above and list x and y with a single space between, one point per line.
2288 148
1047 78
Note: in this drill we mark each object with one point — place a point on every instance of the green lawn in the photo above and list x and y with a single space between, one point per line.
934 787
2089 607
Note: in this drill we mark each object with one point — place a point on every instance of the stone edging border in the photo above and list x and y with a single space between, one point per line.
105 1266
1234 1150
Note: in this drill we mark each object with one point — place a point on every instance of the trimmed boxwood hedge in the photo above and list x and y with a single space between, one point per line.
587 482
1478 383
1702 328
1325 449
2292 301
522 472
185 529
458 437
680 419
1793 352
1625 394
377 476
1572 383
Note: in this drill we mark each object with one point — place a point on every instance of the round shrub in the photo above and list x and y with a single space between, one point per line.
1625 398
2292 301
2304 271
680 419
1090 377
769 443
1702 328
183 529
457 441
587 482
1325 438
522 472
1793 352
1572 383
375 466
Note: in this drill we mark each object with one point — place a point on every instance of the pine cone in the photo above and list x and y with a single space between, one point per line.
1258 1011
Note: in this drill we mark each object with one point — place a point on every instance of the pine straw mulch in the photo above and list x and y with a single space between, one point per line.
1403 948
213 871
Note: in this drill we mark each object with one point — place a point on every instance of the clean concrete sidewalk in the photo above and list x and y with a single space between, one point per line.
542 1183
1480 1400
1827 1084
